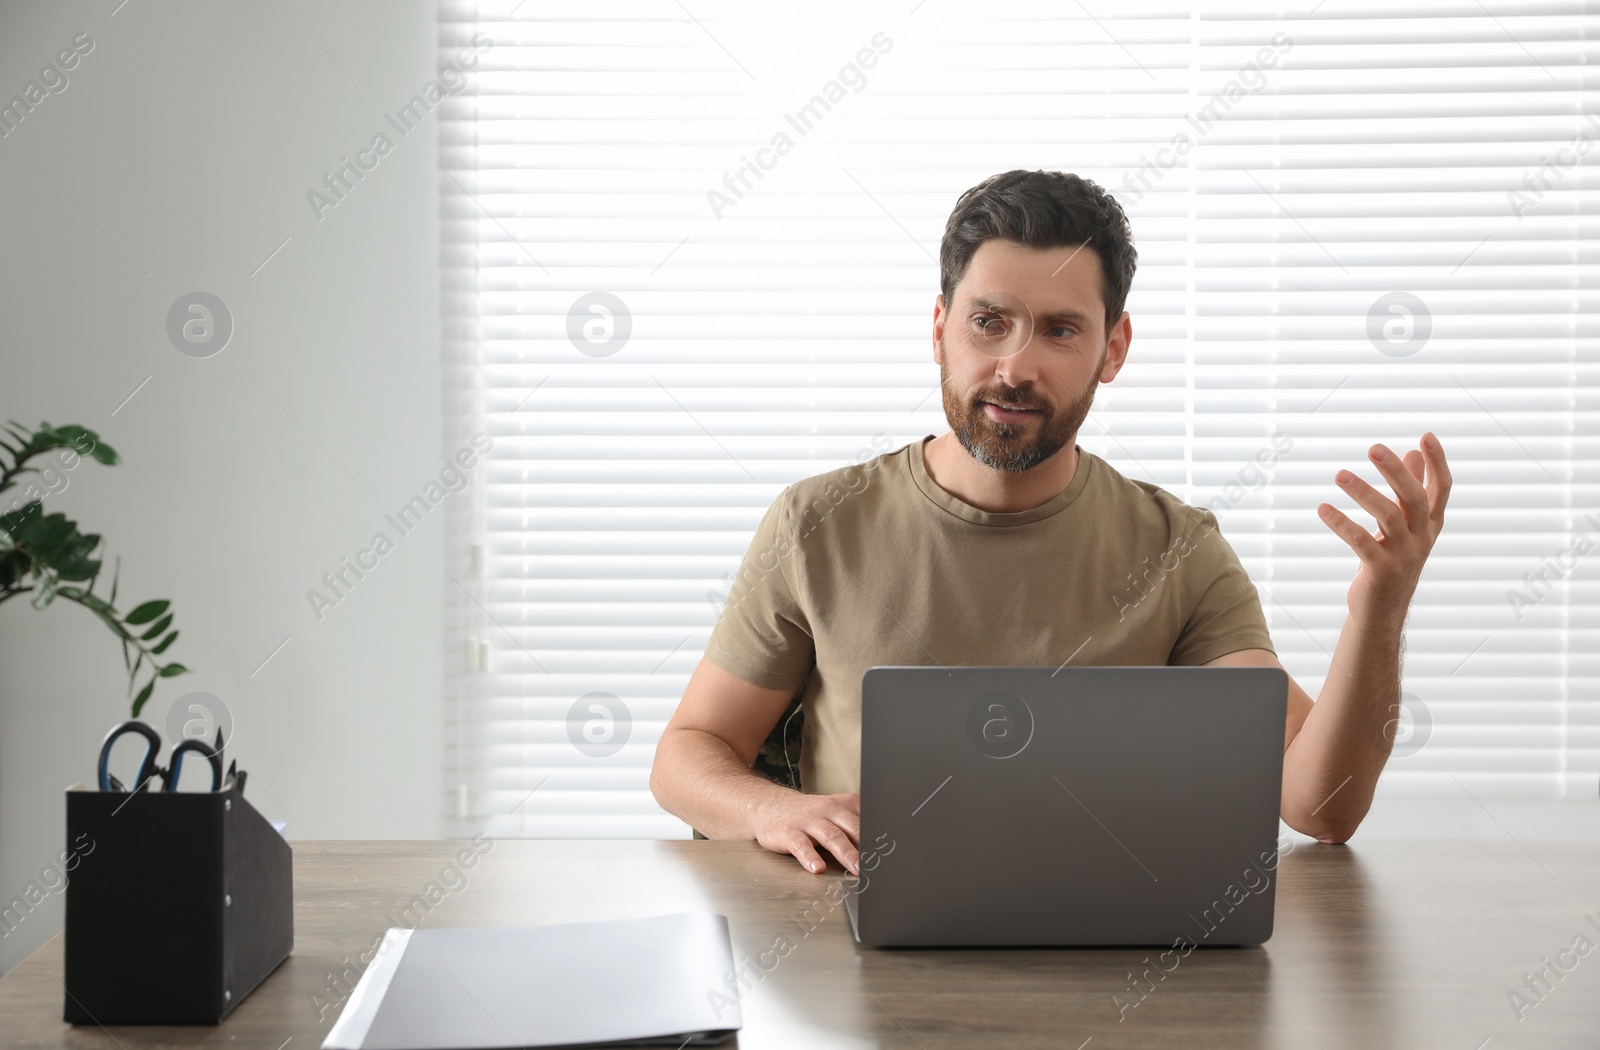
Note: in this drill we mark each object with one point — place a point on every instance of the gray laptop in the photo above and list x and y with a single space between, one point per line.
1068 807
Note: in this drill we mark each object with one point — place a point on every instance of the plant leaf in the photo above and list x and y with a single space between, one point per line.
168 640
144 694
148 611
115 624
172 669
111 621
81 437
44 590
156 629
13 567
87 599
18 431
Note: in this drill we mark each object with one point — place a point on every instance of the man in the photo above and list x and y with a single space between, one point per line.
1002 542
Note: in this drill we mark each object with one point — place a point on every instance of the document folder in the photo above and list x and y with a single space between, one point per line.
666 979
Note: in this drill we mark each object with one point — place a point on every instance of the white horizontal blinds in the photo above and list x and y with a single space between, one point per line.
1389 239
787 337
782 330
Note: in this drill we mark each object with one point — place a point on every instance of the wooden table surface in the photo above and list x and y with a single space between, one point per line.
1384 944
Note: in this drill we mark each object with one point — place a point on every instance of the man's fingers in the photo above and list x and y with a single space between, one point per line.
801 847
849 821
838 843
1412 508
846 813
1439 471
1416 464
829 822
1406 486
1382 508
1359 539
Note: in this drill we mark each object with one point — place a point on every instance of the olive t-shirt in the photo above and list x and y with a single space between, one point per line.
876 564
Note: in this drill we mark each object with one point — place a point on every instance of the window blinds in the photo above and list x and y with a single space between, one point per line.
690 255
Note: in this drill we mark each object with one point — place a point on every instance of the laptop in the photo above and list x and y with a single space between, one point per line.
1008 806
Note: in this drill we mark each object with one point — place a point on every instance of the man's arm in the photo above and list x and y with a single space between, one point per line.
1335 749
702 774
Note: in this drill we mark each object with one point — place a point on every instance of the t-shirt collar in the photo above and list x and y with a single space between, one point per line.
967 512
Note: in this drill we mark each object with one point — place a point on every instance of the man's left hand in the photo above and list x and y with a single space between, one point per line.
1391 561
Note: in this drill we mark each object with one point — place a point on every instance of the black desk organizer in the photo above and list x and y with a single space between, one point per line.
180 906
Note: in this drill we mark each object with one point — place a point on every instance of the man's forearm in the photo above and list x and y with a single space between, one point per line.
699 779
1331 769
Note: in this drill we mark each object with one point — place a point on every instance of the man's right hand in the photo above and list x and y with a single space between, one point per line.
797 824
702 775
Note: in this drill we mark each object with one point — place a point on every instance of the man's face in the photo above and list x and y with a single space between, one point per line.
1022 349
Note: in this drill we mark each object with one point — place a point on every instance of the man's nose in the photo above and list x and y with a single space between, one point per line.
1024 366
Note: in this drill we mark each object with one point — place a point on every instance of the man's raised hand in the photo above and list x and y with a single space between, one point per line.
1391 561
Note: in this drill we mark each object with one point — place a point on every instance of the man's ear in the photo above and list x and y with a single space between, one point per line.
938 328
1117 348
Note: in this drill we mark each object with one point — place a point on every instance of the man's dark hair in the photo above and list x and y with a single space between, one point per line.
1041 209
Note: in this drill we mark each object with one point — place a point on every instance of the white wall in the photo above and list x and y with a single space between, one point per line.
192 132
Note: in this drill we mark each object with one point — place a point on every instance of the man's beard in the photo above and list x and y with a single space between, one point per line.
1007 446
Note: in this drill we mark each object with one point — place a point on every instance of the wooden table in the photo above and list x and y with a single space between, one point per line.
1382 944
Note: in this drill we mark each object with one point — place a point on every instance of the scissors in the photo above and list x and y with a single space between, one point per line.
148 769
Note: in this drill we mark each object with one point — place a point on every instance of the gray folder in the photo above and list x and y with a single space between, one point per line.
660 980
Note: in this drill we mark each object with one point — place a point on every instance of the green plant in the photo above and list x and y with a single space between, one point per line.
59 559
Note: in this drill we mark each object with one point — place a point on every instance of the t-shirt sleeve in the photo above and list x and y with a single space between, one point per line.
1224 611
763 635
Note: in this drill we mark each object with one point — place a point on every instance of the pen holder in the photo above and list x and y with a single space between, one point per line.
180 905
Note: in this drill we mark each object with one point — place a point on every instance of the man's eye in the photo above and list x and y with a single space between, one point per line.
982 323
1063 329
